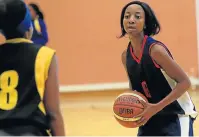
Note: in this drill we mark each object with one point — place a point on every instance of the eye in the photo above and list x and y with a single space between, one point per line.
126 16
137 16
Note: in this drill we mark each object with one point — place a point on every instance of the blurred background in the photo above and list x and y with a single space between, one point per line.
84 34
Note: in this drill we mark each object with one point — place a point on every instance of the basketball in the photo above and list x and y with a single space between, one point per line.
126 106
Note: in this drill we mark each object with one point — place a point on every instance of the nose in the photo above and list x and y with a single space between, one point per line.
131 20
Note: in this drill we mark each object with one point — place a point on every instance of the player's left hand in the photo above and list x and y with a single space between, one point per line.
149 111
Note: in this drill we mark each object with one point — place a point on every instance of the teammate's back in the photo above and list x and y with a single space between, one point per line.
28 78
20 74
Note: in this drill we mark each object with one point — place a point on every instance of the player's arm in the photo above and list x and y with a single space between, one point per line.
51 100
161 57
124 64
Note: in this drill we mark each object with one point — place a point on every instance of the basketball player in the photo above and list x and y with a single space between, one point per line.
153 72
29 95
40 33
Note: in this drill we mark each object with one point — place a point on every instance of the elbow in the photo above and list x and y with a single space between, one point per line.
54 116
187 84
57 124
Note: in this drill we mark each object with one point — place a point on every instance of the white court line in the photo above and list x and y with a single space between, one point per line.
105 86
94 87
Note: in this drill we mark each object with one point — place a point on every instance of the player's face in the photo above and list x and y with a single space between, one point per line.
32 12
134 19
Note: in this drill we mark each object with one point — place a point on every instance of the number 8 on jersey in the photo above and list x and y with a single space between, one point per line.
8 93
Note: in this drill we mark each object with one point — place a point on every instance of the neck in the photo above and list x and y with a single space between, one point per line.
136 41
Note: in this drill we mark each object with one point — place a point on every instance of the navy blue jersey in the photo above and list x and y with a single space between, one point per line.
149 78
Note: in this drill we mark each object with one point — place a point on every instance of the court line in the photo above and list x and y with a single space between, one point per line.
94 87
105 86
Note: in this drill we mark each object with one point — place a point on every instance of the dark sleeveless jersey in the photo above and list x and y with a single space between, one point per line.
23 72
148 77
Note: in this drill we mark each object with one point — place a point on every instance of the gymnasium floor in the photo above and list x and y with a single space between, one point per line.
90 114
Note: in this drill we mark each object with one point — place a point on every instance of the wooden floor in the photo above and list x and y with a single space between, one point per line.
91 114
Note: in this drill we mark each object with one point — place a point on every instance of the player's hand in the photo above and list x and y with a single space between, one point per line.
149 111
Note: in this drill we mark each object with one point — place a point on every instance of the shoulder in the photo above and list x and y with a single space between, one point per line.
159 53
30 48
45 54
44 58
46 50
158 48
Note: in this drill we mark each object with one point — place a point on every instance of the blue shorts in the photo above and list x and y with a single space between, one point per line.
168 125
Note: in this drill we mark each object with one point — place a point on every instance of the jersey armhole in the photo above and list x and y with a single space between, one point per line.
48 63
42 64
160 44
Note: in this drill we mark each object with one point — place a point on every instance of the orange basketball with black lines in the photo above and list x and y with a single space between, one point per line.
126 106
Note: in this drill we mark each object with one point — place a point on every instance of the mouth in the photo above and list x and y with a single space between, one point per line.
131 27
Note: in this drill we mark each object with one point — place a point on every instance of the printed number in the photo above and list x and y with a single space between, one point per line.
146 90
8 93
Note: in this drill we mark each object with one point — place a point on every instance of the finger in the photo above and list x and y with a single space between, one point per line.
140 115
143 103
142 123
145 122
145 106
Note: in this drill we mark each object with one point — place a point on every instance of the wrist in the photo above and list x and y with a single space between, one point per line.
159 106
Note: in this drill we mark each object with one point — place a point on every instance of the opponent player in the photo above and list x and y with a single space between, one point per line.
153 72
29 94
